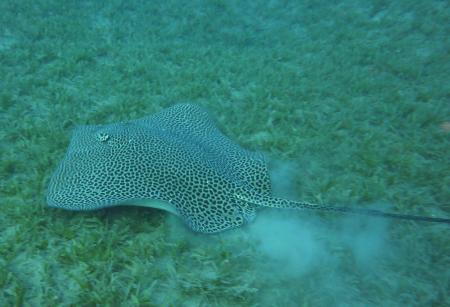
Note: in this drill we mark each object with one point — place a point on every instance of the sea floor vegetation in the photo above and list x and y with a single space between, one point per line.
349 99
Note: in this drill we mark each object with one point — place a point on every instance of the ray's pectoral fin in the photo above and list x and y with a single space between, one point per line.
212 222
153 203
272 202
201 221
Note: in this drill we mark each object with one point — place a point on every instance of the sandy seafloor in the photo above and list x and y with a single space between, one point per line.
349 99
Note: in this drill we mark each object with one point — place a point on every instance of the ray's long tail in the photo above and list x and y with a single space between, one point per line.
273 202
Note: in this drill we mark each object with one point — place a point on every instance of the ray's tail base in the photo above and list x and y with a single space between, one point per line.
265 201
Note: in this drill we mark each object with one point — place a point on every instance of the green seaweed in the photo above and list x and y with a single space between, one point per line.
354 93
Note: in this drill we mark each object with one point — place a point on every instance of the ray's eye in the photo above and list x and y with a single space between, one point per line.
103 137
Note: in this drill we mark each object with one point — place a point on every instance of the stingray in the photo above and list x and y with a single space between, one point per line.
176 160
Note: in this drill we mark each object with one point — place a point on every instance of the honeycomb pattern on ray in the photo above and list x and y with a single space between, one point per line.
177 156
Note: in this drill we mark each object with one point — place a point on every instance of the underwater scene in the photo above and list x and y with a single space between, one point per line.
224 153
